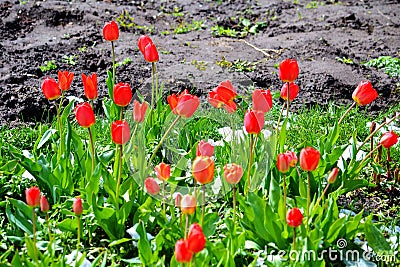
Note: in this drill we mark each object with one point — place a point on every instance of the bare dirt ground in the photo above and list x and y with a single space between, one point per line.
316 33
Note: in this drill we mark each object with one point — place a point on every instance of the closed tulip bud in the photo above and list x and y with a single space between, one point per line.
262 100
144 40
253 121
33 196
223 96
163 171
151 185
292 158
84 114
50 89
183 104
182 252
364 93
111 31
294 217
204 149
196 238
120 132
288 70
233 173
139 111
178 198
283 163
309 158
77 206
65 79
188 204
203 169
389 139
122 94
44 204
294 91
90 86
333 175
151 53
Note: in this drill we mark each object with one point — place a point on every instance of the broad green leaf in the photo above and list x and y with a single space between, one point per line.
145 252
46 136
375 239
68 225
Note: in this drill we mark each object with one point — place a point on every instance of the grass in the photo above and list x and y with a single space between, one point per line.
390 65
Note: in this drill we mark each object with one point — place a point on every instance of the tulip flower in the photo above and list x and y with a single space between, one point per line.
139 111
333 175
65 79
51 89
294 217
33 196
122 94
262 100
84 114
163 171
309 159
151 185
90 86
196 238
364 93
178 198
44 204
144 40
183 104
188 204
111 31
293 88
182 252
288 70
389 139
203 169
77 206
223 96
283 163
150 53
120 132
292 158
233 173
253 121
204 149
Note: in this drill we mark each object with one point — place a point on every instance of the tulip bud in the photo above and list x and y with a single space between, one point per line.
65 79
196 239
364 93
120 132
223 96
183 104
262 100
90 86
333 175
144 40
122 94
182 252
233 173
288 70
151 53
33 196
77 206
203 169
188 204
294 217
111 31
151 185
50 89
139 111
389 139
204 149
44 204
253 121
178 199
163 171
84 115
283 163
309 158
293 88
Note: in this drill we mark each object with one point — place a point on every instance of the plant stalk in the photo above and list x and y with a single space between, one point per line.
279 118
288 100
79 235
322 195
284 193
347 112
250 163
92 149
308 196
119 177
34 236
234 206
203 206
113 62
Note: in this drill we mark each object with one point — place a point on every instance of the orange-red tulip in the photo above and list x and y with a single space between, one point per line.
44 204
139 111
288 70
183 104
223 96
333 175
33 196
294 217
309 158
84 114
151 185
389 139
233 173
122 94
364 93
77 206
50 89
90 86
204 149
283 163
294 91
253 121
163 171
110 31
203 169
196 238
65 79
151 53
262 100
144 40
188 204
292 158
120 132
182 252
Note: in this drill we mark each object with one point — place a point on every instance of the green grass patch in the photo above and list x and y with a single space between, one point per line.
390 65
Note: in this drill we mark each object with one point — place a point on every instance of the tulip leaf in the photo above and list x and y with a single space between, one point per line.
46 136
375 239
145 252
110 85
282 136
69 224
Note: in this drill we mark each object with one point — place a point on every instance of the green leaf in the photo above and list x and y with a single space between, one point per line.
69 225
145 252
21 216
119 241
375 238
110 85
282 136
46 136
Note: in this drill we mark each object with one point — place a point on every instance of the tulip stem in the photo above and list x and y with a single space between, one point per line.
347 112
79 234
163 199
186 225
279 118
48 226
203 206
58 109
92 149
284 193
308 196
153 70
113 63
119 177
320 198
250 163
369 154
288 100
234 206
388 164
34 236
163 138
294 238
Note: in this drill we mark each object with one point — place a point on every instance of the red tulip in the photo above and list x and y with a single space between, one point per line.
182 252
233 173
144 40
151 53
120 132
253 121
204 149
262 100
183 104
110 31
333 175
33 196
309 158
223 95
77 206
152 187
178 198
203 169
294 217
283 163
389 139
163 171
84 114
294 91
90 86
288 70
65 79
50 89
122 94
364 93
292 158
139 111
44 204
196 238
188 204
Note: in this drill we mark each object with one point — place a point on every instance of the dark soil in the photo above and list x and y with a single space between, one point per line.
33 32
